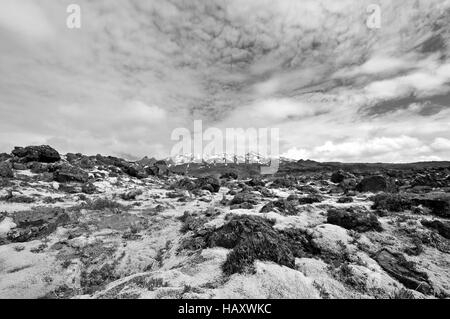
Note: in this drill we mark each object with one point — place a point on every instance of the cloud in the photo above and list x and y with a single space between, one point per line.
441 144
138 69
379 149
26 19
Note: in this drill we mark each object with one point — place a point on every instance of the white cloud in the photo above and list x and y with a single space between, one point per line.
441 144
378 149
25 18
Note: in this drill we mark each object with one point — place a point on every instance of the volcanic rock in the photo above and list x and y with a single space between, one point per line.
68 173
443 228
42 153
352 218
398 267
6 170
375 183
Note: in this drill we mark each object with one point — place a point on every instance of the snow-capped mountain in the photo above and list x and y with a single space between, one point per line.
225 158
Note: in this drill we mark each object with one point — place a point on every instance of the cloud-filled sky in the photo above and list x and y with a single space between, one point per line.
137 69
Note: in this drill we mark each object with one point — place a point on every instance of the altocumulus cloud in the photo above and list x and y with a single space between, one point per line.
137 69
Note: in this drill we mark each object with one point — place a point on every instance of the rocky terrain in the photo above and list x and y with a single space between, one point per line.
76 226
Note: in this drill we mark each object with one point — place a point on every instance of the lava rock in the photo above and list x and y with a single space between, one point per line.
256 182
38 168
209 183
438 204
397 266
131 195
42 153
39 222
68 173
352 218
337 177
282 206
245 197
443 228
134 170
229 175
375 183
6 170
158 168
19 166
244 205
311 199
345 199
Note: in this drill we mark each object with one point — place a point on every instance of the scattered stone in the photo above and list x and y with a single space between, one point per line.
36 223
245 197
281 206
353 218
131 195
6 170
391 202
439 204
398 267
443 228
229 175
244 205
209 183
19 166
337 177
345 199
375 183
311 199
43 153
68 173
253 238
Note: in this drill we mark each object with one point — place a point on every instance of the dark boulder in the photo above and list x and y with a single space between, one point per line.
255 182
375 183
6 170
134 170
282 206
391 202
283 183
68 173
337 177
38 168
244 205
229 175
397 266
39 222
354 218
251 238
19 166
245 197
439 204
131 195
443 228
4 157
430 180
209 183
42 153
158 168
345 199
310 199
184 183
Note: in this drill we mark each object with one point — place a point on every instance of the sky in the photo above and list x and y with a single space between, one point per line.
137 69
